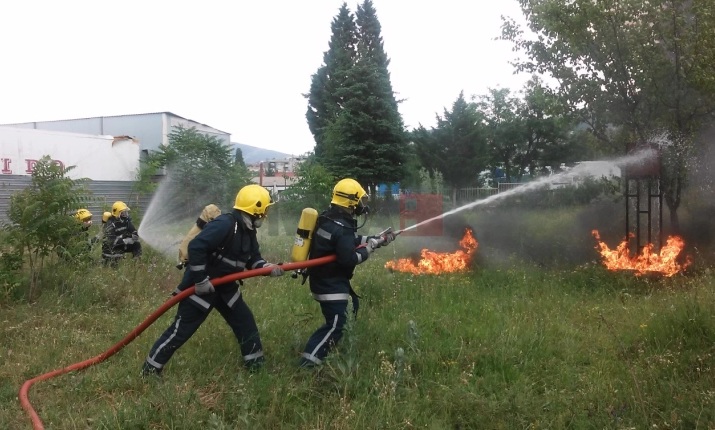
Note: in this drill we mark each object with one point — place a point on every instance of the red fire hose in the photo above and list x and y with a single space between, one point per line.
24 399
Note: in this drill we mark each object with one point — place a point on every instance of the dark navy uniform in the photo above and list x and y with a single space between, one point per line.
116 230
335 233
226 245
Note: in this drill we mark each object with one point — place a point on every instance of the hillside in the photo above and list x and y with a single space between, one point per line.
253 154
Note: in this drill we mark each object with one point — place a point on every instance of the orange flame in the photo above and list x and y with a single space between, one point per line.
647 261
439 262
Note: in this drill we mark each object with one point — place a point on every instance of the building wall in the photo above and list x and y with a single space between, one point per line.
151 130
96 157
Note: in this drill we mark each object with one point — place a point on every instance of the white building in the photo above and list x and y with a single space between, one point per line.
90 144
149 129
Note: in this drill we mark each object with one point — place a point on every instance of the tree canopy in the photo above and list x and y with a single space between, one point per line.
630 69
201 167
352 110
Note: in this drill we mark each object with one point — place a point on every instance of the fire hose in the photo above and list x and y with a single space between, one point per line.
24 399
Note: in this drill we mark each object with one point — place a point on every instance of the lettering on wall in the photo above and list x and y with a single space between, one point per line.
7 165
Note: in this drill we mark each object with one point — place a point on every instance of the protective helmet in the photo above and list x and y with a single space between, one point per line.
348 193
106 216
83 215
254 200
119 207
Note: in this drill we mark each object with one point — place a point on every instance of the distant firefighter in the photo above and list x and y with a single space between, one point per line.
120 235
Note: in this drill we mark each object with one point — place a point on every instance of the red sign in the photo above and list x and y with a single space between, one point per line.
417 208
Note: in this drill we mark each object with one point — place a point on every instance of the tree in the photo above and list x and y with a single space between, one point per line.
352 110
325 98
201 169
42 215
314 188
629 68
457 147
504 130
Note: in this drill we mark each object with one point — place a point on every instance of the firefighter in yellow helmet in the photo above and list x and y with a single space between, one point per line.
226 245
85 217
120 235
336 233
209 213
80 245
100 234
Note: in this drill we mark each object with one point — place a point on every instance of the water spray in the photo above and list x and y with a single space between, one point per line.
572 175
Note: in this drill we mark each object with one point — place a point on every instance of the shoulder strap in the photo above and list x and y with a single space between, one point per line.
232 233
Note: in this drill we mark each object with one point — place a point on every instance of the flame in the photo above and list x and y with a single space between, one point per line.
647 261
439 262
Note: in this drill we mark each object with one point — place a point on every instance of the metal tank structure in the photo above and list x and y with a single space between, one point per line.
644 201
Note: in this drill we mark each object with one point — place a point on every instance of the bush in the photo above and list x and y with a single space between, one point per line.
41 217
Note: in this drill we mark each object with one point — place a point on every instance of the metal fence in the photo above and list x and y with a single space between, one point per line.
104 194
465 195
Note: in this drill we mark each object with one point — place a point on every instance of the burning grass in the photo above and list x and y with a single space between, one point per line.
665 262
436 263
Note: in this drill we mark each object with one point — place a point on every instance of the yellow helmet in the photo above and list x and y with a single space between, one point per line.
254 200
119 207
106 216
83 215
348 193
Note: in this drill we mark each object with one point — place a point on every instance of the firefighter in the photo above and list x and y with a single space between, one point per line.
336 233
120 235
226 245
100 234
85 217
209 213
80 244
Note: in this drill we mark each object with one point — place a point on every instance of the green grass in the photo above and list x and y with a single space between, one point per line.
516 346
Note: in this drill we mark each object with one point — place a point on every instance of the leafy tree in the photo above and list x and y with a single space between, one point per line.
42 216
629 68
313 188
201 167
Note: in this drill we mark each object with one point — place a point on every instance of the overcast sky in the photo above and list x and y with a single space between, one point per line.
238 66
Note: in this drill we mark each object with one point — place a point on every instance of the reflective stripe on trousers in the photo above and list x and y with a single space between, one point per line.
311 355
335 297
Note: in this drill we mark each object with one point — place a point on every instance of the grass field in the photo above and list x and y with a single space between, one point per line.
516 345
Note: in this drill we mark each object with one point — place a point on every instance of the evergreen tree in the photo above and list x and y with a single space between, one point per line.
242 174
325 98
457 147
352 107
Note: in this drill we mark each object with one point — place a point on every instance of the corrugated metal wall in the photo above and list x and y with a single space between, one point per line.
105 193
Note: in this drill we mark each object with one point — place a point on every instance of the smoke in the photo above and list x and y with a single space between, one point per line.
697 211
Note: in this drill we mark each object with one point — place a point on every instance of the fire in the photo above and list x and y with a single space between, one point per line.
439 262
647 261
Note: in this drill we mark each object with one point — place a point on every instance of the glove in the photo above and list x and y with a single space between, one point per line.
275 271
371 245
204 287
128 240
135 237
388 237
377 240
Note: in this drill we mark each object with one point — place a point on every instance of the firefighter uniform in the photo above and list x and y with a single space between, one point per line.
226 245
335 233
120 235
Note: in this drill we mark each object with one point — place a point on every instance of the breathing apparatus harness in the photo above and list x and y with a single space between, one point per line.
307 227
